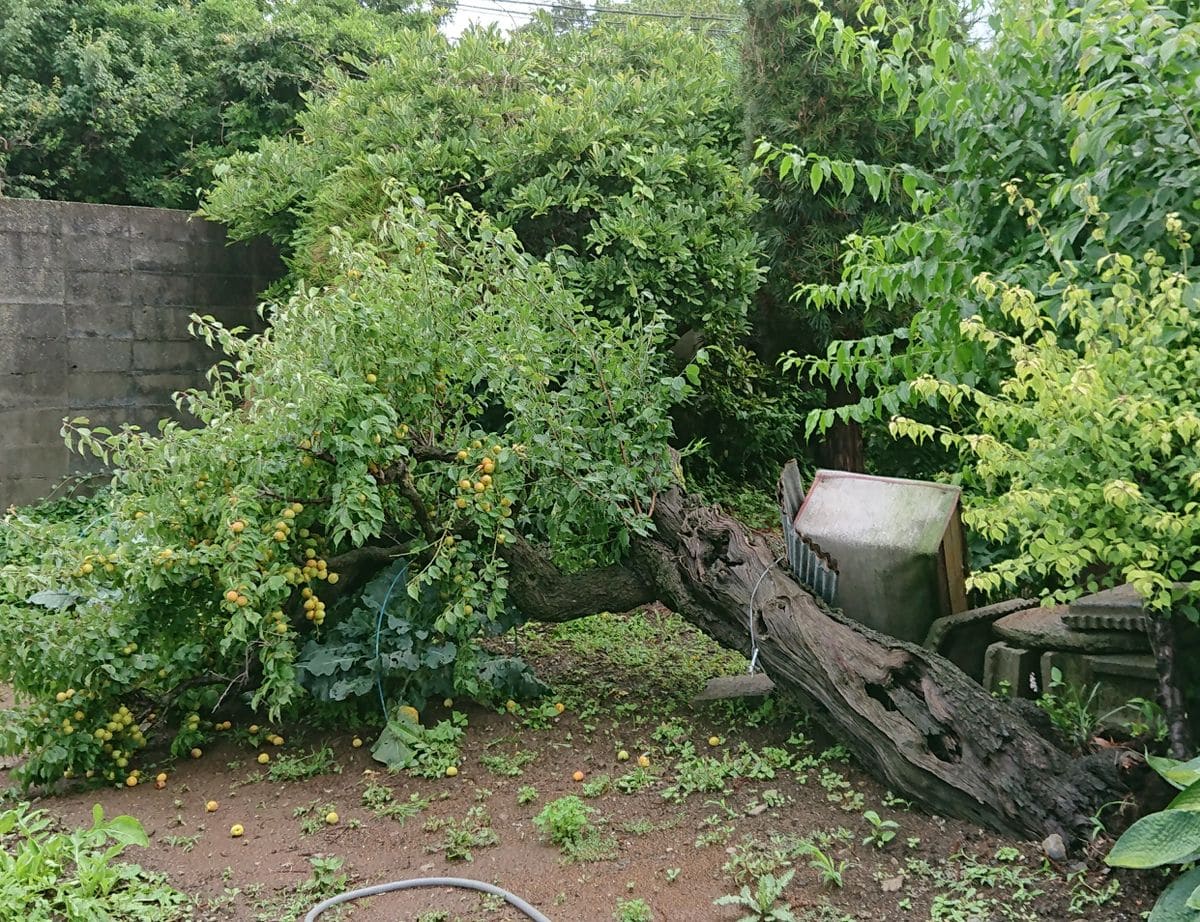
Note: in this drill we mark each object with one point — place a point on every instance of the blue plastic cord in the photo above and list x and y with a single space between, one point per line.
403 571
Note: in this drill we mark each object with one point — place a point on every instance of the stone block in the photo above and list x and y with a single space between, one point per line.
25 491
42 285
33 321
21 461
224 290
29 356
97 289
32 427
162 256
1116 609
162 324
95 221
160 386
29 216
1043 628
88 391
39 389
95 252
180 356
112 322
93 353
963 638
1010 668
165 224
24 250
162 289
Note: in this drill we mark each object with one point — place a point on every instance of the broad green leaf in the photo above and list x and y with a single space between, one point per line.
1172 903
1166 837
1180 774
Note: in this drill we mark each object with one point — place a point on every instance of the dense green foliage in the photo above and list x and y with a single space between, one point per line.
437 399
46 874
131 103
1169 836
800 92
1102 158
612 151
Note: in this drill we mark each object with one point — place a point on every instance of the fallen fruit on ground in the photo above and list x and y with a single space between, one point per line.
578 776
331 818
263 758
356 742
211 806
236 830
452 771
714 741
197 752
644 761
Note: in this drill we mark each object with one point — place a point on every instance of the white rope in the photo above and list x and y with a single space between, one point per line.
750 613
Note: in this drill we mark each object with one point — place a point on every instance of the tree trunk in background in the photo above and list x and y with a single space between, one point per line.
842 448
1163 644
917 722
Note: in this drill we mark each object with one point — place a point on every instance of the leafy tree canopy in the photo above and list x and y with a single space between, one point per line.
132 102
1056 343
444 396
612 151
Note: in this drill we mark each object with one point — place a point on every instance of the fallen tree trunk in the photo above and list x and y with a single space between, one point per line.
916 721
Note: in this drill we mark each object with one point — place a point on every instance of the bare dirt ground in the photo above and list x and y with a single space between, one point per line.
698 822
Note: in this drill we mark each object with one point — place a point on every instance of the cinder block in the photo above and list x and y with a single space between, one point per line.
224 290
33 321
159 224
22 461
148 417
42 285
24 250
27 356
147 255
161 289
97 289
88 391
41 389
93 353
181 356
25 491
30 216
1011 668
102 321
162 324
95 221
158 387
41 426
95 252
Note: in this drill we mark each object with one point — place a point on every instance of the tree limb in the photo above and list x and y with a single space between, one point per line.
544 592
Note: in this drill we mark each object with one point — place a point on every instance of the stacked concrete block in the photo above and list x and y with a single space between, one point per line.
94 300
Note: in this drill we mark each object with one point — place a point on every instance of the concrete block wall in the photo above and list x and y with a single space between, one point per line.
94 307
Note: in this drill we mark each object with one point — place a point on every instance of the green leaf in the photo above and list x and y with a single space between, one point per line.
1188 799
1167 837
1180 774
127 831
815 176
1172 904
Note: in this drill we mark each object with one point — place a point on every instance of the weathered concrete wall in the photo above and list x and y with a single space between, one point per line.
94 306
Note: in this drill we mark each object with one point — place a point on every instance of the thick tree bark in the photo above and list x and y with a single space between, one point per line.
1163 642
920 724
